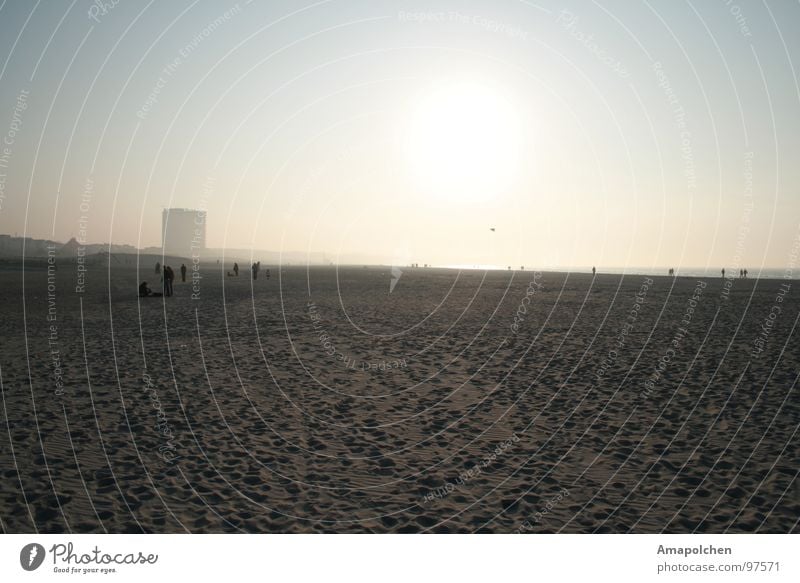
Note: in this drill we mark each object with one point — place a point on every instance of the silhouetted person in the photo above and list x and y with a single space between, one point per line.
593 271
236 269
745 274
723 273
741 273
144 291
158 268
267 273
169 275
255 271
183 272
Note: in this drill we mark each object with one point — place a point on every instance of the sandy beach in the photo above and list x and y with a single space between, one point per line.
461 401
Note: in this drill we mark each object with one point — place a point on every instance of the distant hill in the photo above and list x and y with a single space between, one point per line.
12 248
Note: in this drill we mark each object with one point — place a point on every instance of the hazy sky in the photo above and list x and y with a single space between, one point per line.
608 133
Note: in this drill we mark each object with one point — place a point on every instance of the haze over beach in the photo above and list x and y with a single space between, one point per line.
655 139
391 267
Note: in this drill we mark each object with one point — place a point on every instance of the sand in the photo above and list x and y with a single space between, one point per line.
459 402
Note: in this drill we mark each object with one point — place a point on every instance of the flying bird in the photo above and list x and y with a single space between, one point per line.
491 229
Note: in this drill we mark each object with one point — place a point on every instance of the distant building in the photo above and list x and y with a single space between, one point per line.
183 232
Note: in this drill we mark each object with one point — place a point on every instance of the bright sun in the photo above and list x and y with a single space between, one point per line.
463 142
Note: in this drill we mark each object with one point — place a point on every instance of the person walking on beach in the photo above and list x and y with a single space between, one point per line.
255 270
158 268
183 272
593 270
723 273
236 269
745 274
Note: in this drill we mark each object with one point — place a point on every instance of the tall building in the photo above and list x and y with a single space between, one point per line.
183 232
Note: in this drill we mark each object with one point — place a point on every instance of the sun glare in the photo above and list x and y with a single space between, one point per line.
463 142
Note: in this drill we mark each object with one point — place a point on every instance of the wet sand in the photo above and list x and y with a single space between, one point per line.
318 401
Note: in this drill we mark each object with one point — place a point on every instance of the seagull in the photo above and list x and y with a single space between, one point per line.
491 229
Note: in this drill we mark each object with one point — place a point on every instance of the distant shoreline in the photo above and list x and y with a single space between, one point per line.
33 262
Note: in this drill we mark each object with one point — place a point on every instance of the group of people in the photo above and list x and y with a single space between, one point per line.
742 272
167 278
255 268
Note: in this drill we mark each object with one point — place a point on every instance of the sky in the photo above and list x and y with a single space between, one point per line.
606 133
